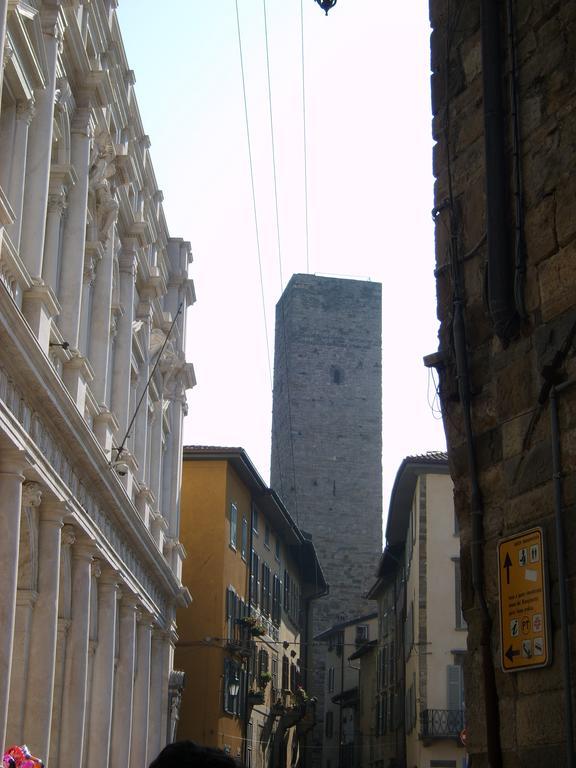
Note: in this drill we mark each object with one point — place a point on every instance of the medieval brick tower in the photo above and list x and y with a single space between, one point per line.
327 432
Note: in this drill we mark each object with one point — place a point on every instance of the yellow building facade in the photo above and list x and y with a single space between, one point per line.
242 643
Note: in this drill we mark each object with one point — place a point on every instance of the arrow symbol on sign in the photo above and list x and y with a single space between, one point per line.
507 565
510 653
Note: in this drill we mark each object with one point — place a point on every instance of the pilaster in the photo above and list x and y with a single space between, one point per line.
139 745
72 740
39 153
74 235
12 464
123 355
103 673
24 115
124 683
43 642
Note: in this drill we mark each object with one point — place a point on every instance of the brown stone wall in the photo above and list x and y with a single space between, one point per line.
511 429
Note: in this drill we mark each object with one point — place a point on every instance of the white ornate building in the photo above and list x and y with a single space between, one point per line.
91 288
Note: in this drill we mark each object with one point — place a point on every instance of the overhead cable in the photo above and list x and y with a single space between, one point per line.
268 358
273 145
304 138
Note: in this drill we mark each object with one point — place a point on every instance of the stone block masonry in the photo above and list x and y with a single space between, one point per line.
327 439
510 377
327 429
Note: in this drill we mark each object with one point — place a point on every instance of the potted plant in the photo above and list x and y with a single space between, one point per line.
264 678
255 697
253 624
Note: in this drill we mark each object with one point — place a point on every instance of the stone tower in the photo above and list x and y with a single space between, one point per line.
327 430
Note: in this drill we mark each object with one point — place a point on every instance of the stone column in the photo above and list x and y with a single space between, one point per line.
172 470
3 13
124 684
12 464
24 115
74 235
72 736
56 206
67 539
156 690
103 674
40 683
26 595
141 424
39 155
123 353
100 327
156 452
140 711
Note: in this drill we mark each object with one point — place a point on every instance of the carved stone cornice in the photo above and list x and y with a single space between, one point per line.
68 536
57 202
31 494
25 110
81 499
83 122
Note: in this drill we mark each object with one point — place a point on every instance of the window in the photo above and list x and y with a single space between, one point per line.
361 633
249 731
331 673
254 583
262 662
276 600
285 673
233 525
267 535
455 684
265 591
244 545
232 612
275 671
293 673
255 520
409 631
410 706
329 724
277 550
287 591
460 622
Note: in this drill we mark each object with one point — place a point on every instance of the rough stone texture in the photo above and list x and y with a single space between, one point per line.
511 427
327 434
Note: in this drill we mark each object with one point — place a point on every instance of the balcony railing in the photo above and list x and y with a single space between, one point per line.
441 723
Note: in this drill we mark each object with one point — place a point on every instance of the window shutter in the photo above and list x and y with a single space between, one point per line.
454 678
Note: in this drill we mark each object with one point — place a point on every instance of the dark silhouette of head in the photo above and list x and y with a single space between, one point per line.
187 754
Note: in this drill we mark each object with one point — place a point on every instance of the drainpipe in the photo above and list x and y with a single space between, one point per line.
500 280
561 565
493 745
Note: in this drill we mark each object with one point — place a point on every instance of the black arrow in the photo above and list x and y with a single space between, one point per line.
507 565
510 653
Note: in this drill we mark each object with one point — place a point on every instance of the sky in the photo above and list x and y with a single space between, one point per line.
368 167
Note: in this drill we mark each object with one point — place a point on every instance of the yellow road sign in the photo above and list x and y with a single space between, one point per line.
524 622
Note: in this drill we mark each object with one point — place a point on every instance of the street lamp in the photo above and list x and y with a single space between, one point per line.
326 4
234 687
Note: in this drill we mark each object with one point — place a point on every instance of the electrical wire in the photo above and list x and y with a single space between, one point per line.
273 143
256 228
304 138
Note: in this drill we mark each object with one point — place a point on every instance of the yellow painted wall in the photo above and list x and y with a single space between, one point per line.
208 489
